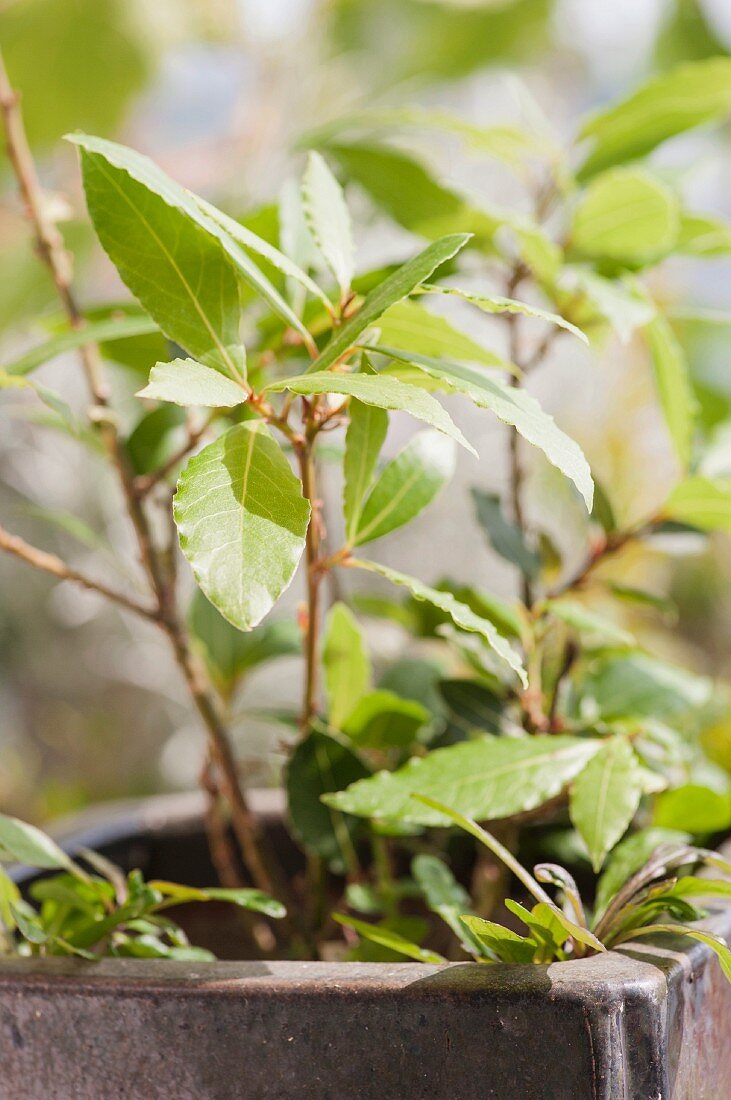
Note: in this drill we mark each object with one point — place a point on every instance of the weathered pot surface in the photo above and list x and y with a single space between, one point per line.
650 1023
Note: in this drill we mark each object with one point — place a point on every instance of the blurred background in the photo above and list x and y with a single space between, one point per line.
223 93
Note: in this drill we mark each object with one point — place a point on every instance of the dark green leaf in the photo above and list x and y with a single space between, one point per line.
506 539
319 765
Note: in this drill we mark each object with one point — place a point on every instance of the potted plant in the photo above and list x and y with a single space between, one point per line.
541 717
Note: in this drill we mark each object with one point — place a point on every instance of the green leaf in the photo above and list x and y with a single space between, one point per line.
473 706
346 663
694 808
638 685
244 897
485 779
701 235
409 194
701 502
592 628
230 653
328 219
406 485
687 96
397 286
9 897
319 765
386 938
169 260
242 521
460 614
383 720
628 857
109 328
672 379
409 325
506 539
505 143
186 382
244 237
497 304
716 943
626 215
364 437
605 797
53 400
619 303
445 897
153 440
25 843
379 390
512 406
508 946
188 239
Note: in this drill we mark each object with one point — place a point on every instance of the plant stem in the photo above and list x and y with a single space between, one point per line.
52 251
308 474
56 567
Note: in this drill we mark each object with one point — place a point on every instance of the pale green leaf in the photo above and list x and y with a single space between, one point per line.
592 628
688 95
487 778
397 286
379 390
242 521
409 325
25 843
626 215
187 382
702 235
701 502
672 379
251 242
49 397
328 219
364 437
406 485
511 405
694 808
383 720
718 945
460 614
386 938
409 193
497 304
507 945
109 328
594 298
605 797
345 662
244 897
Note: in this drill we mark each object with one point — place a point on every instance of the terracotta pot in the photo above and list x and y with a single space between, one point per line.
651 1023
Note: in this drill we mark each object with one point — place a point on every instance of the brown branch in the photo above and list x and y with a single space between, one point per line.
222 852
50 246
314 576
56 567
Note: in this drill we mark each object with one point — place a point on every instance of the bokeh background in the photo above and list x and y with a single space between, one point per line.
223 93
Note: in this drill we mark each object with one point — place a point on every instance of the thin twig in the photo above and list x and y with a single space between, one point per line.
314 576
50 563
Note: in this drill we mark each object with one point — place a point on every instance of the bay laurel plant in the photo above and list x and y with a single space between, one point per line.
276 356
